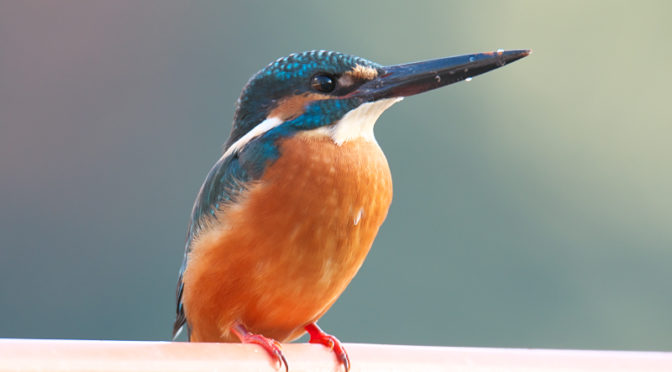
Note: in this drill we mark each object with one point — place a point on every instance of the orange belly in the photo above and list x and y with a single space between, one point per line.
279 258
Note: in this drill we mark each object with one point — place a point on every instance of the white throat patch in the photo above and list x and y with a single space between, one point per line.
358 123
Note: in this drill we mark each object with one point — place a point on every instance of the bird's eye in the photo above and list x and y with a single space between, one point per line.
323 83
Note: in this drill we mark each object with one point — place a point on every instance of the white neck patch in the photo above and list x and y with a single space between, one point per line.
358 123
257 131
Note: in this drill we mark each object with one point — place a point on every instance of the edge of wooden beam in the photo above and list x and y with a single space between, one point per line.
86 355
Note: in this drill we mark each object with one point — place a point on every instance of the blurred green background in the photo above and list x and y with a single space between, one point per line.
532 205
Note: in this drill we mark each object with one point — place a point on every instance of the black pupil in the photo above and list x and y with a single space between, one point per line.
323 83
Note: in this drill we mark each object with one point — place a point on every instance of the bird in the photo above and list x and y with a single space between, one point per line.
287 215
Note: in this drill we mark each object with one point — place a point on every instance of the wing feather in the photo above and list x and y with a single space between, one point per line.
225 183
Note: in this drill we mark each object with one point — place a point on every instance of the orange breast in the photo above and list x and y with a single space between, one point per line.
279 258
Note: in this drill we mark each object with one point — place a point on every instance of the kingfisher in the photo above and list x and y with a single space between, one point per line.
287 215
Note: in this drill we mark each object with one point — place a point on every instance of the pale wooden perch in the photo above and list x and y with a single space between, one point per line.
90 356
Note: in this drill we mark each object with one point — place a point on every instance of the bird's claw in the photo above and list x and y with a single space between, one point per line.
318 336
272 347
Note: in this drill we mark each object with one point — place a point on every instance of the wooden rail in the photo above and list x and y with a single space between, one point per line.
91 356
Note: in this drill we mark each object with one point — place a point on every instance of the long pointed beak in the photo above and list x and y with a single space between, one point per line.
413 78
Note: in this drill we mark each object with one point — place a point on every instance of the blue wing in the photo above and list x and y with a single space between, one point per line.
224 184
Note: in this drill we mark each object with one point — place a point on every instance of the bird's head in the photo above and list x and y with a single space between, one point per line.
341 94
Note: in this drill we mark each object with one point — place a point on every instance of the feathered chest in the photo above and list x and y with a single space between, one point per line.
319 194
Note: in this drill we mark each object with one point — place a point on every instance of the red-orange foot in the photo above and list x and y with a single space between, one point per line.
317 336
270 345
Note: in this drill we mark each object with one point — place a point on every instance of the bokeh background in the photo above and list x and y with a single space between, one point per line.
532 205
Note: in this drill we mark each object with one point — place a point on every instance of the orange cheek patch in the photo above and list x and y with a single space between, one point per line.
292 107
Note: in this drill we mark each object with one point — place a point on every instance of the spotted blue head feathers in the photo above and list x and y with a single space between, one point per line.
295 75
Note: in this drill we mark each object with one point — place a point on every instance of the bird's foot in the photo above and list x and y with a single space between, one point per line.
270 345
318 336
